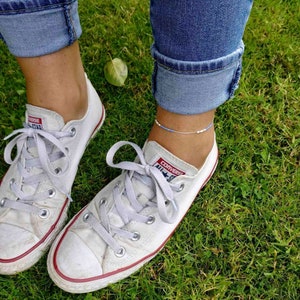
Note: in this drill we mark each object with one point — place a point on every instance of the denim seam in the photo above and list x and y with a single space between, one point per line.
197 72
35 9
235 79
70 24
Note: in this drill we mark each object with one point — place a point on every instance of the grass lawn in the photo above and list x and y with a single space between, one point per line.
241 238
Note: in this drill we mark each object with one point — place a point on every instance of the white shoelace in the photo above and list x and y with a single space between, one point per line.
37 149
130 210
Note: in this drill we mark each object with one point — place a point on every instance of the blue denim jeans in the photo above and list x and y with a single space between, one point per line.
37 27
198 51
197 46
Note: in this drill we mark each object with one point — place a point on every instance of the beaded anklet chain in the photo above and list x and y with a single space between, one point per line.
184 132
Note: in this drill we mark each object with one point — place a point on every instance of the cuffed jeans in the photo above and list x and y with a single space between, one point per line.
37 27
197 46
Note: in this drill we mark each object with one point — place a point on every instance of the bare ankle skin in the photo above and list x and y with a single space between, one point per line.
57 82
192 148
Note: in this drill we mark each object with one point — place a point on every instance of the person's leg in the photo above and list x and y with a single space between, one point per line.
198 57
56 81
43 37
192 148
62 114
130 220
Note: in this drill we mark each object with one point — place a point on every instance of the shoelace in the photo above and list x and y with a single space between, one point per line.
130 210
37 149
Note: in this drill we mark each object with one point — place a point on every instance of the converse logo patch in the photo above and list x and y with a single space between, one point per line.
35 122
169 171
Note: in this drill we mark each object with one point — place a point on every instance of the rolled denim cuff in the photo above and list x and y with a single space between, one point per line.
190 87
39 30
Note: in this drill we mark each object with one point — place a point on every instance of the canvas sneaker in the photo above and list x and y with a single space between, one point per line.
129 221
35 191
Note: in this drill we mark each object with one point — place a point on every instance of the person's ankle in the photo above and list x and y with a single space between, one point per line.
191 149
56 81
69 100
75 103
171 133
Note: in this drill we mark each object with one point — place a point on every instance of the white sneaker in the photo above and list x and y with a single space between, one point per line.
129 221
35 191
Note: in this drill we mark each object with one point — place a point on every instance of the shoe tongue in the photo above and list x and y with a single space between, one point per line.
170 165
41 118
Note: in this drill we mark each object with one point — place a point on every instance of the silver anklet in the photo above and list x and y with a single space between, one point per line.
184 132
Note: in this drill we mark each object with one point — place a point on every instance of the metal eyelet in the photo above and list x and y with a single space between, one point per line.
136 236
58 170
86 217
73 131
103 201
181 187
117 185
167 202
44 213
2 202
151 220
51 193
121 252
11 182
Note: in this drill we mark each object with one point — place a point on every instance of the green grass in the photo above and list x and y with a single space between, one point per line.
241 238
